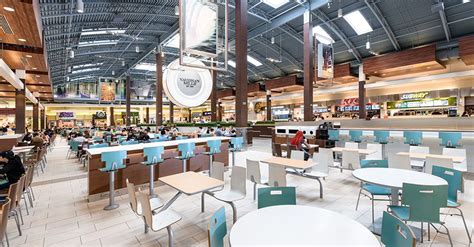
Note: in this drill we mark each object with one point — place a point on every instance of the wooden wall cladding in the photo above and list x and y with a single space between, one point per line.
23 22
280 83
466 49
225 93
342 74
254 87
24 60
403 62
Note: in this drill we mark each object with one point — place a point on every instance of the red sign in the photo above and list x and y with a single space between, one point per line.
350 101
7 111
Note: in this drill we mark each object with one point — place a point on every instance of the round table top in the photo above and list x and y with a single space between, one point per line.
299 226
394 178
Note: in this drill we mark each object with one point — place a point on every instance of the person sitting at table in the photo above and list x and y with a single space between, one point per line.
143 136
27 137
219 131
12 168
301 143
37 141
163 135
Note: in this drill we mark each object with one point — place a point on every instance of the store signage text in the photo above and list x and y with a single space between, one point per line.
408 96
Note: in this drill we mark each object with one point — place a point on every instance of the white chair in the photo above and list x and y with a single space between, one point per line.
217 170
158 221
353 145
297 155
419 149
237 191
350 160
155 202
255 176
276 175
377 155
322 159
437 161
399 161
457 152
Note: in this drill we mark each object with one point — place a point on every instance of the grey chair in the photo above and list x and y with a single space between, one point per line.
155 202
255 176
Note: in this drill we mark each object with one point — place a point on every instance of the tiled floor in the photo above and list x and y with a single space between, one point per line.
62 217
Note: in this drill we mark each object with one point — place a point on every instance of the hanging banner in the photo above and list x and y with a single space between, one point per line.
187 86
203 35
107 91
325 61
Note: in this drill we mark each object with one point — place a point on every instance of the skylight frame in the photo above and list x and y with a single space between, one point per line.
96 43
358 22
232 63
275 3
173 42
85 70
102 31
254 61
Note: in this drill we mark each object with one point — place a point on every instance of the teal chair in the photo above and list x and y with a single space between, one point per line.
236 146
121 138
422 203
74 148
395 233
333 135
113 162
454 179
370 190
381 136
100 145
217 228
153 157
181 137
274 196
186 152
157 140
214 147
450 139
97 139
355 136
108 138
413 138
129 143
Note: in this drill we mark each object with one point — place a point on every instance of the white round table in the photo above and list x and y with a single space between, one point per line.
395 178
299 226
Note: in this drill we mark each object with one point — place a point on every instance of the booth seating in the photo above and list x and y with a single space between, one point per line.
333 135
153 157
413 138
129 143
214 148
355 136
113 162
237 143
186 152
450 139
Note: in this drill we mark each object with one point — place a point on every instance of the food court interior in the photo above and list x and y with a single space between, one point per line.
236 122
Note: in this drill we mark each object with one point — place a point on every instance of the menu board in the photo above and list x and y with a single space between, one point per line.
424 103
66 115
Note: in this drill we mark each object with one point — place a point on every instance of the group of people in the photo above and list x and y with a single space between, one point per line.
38 138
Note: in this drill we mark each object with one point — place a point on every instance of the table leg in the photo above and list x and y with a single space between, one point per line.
211 158
184 165
394 196
171 201
376 227
152 181
112 205
233 158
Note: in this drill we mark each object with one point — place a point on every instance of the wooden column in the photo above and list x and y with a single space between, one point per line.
214 97
241 81
127 101
35 117
190 116
147 115
112 117
219 111
269 105
362 93
20 105
171 112
43 119
159 90
308 60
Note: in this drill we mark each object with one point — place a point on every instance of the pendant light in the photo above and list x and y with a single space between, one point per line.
80 6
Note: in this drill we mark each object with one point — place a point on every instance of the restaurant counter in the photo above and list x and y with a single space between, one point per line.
7 142
137 173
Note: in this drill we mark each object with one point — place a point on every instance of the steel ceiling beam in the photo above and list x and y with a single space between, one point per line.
379 16
439 7
107 13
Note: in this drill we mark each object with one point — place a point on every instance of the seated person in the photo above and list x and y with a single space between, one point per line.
301 143
143 136
27 137
11 168
163 135
37 141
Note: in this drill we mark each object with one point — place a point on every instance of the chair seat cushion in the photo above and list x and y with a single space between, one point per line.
401 212
376 190
229 196
453 204
313 173
184 157
164 219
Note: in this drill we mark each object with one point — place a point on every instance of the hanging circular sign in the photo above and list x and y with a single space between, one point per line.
187 86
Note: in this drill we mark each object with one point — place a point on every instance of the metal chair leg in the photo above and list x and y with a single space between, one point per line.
6 239
421 235
254 191
358 199
26 205
17 220
170 236
234 212
465 225
320 188
21 215
449 235
202 202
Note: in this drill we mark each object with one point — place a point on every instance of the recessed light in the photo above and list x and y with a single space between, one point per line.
28 56
34 68
9 9
38 76
22 40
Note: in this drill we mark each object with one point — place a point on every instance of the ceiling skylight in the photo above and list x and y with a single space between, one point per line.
97 42
358 22
85 70
253 61
322 36
102 31
86 65
275 3
146 66
173 42
231 63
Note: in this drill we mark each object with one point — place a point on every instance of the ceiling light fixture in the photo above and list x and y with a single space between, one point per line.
9 9
80 6
339 13
71 54
123 62
137 49
367 44
466 1
28 56
22 40
176 10
273 40
113 72
34 68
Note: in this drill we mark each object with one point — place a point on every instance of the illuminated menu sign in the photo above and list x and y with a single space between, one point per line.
424 103
66 115
410 96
